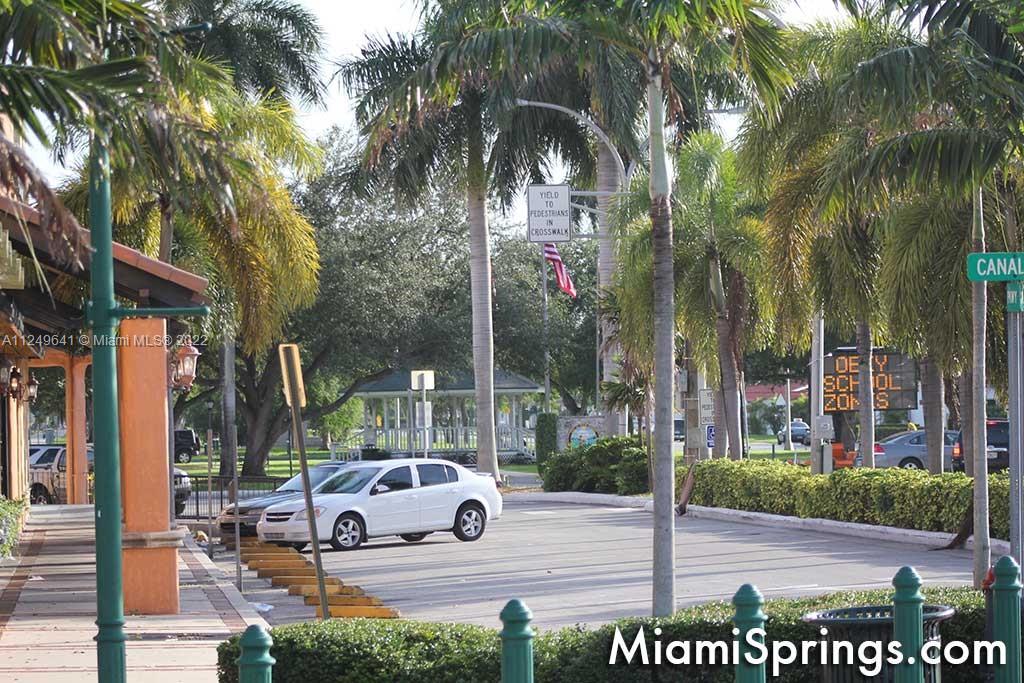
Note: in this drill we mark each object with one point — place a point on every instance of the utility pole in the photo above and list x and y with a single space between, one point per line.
789 414
817 389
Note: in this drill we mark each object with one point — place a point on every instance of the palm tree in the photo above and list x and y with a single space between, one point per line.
274 47
56 80
952 103
430 107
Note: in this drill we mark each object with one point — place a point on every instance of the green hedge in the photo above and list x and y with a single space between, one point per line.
546 437
610 465
10 525
378 651
909 499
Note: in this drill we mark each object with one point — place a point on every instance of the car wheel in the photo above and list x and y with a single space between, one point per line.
349 532
414 538
183 457
470 521
39 495
911 464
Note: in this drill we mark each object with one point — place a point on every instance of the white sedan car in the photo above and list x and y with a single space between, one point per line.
409 498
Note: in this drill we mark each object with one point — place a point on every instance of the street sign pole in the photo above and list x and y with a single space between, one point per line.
1014 306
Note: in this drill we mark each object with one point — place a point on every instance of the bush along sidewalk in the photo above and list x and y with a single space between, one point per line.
12 512
908 499
374 651
610 465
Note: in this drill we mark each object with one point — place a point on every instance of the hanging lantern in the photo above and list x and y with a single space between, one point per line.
183 367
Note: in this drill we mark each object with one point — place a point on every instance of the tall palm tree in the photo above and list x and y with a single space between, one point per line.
436 105
273 46
952 104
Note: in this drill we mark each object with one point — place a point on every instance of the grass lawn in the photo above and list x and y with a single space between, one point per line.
278 464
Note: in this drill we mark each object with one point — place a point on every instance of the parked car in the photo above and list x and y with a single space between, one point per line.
997 440
49 479
910 450
800 430
43 454
186 445
409 498
250 509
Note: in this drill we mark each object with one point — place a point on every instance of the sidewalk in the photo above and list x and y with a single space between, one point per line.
48 610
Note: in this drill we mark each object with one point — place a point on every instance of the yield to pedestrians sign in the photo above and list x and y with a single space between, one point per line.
706 405
549 214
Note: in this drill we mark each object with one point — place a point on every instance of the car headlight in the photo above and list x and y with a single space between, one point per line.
301 514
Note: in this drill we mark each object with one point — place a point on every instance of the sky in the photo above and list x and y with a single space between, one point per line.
347 23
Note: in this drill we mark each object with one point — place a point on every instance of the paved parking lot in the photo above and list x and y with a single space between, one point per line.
582 564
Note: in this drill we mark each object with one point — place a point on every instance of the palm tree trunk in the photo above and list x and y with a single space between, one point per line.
166 228
721 447
480 279
664 588
979 305
865 394
934 424
730 387
228 433
966 423
607 182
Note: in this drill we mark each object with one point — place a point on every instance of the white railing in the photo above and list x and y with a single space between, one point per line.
440 439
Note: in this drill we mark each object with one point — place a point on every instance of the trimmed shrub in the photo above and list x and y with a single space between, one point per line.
546 437
909 499
597 468
11 512
381 651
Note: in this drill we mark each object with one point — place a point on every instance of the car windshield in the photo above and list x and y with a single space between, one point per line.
317 476
349 480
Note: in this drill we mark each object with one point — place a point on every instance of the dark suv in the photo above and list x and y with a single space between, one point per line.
997 440
186 445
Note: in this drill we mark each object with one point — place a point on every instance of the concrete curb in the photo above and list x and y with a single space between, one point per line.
226 586
931 539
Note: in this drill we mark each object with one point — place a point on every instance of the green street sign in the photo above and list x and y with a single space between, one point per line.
1015 297
996 266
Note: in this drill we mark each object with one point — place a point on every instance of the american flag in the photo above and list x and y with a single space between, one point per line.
561 274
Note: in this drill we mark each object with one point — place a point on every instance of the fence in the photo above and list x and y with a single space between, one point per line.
256 664
202 503
514 444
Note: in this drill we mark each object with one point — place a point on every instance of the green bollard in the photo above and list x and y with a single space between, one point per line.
516 643
1006 617
255 665
748 602
908 625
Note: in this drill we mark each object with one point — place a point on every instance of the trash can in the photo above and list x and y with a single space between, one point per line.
874 623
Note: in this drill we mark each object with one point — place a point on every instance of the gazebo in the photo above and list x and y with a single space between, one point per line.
390 422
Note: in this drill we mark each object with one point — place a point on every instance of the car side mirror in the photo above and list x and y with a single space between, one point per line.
380 488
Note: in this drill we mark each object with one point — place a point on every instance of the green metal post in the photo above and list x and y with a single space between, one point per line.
255 665
1006 617
748 602
110 647
516 643
908 625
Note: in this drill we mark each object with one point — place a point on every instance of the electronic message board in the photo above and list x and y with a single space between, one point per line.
894 378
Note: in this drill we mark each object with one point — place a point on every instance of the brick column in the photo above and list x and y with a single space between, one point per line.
150 549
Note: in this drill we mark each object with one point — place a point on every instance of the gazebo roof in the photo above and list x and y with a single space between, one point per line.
399 384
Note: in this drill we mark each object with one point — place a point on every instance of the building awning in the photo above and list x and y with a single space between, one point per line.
399 384
138 278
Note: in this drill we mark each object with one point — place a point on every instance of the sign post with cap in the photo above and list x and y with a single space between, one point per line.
295 398
1008 267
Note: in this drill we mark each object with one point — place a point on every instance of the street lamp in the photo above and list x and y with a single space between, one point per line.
183 366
